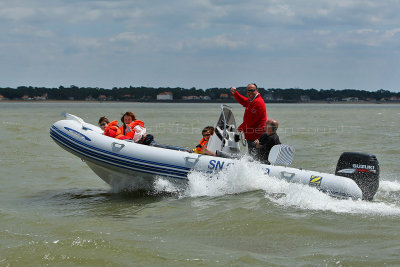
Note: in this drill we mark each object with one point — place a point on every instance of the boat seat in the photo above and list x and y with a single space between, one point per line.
281 155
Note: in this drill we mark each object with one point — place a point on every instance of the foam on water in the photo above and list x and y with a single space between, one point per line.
389 186
246 176
162 185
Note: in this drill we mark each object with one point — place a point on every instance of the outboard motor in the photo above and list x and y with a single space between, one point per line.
363 169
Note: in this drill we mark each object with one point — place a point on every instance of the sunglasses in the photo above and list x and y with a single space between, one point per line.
251 90
103 124
204 135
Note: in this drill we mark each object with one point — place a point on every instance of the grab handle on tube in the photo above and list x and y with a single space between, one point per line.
116 147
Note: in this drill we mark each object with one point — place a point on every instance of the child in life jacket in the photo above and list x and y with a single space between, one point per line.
136 131
103 122
126 119
131 129
112 130
202 147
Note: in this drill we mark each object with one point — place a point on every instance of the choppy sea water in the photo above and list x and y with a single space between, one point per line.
55 211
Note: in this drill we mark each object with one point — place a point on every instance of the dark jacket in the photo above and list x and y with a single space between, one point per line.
267 141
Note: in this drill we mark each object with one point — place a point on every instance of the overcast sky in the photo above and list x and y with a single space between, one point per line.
318 44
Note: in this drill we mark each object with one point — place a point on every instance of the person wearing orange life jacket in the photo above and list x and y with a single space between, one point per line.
127 119
202 147
134 129
137 131
112 130
131 129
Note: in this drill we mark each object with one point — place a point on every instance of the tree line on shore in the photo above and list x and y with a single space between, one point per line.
149 93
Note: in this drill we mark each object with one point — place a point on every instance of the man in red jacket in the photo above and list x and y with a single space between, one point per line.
254 117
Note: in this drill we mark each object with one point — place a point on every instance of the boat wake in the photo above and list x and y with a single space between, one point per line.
247 176
389 191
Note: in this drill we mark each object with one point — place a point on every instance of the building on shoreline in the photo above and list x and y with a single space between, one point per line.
165 96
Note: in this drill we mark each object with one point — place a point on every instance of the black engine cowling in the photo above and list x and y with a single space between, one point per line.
363 169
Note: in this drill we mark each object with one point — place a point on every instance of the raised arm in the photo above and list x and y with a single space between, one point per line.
244 101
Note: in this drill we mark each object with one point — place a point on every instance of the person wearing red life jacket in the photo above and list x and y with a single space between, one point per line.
255 115
112 130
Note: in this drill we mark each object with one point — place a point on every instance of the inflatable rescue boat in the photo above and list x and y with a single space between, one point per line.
124 162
